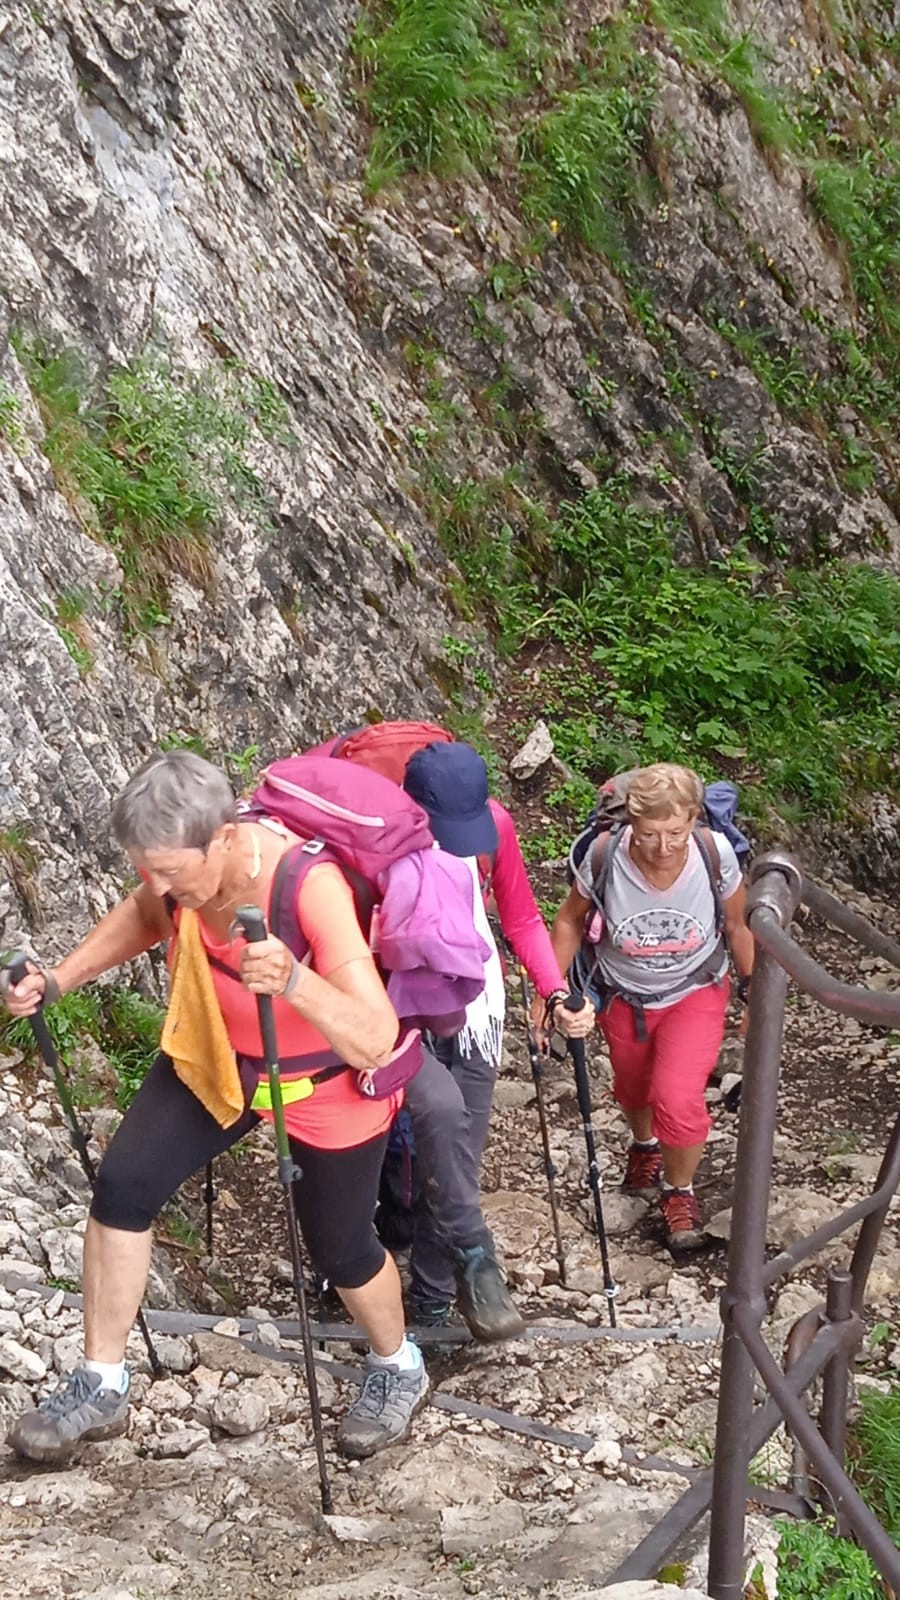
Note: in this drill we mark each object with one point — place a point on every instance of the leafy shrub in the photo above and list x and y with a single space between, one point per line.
123 1023
796 683
813 1563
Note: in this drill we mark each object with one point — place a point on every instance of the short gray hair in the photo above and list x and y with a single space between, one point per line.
176 799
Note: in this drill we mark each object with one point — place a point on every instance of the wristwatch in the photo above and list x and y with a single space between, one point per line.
743 988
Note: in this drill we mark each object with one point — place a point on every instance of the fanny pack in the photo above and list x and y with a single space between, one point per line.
378 1084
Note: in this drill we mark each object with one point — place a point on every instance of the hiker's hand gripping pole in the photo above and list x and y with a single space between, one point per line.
253 924
574 1002
15 969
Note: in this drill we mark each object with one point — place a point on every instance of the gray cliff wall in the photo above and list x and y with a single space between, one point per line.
143 200
186 179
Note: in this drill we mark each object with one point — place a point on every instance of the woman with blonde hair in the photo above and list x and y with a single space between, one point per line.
654 909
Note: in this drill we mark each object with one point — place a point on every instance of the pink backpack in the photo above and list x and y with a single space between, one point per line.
414 902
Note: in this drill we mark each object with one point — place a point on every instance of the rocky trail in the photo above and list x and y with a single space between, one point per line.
214 1490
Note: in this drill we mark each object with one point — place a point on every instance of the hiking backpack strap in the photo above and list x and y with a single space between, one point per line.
709 854
601 861
286 882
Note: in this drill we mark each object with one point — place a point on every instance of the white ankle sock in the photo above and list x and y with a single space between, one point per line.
407 1358
112 1374
645 1144
679 1188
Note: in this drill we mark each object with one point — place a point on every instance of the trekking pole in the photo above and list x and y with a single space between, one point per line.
210 1196
253 924
537 1073
16 967
582 1089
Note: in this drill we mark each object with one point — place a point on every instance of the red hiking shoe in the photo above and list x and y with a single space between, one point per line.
681 1215
643 1170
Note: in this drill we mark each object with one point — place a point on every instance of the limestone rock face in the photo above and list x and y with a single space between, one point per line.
186 181
159 182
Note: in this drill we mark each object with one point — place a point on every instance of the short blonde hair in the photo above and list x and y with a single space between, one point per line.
662 789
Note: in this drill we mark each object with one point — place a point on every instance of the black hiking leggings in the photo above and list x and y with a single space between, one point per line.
166 1135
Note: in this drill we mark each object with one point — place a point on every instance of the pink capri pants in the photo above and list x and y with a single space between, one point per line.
669 1070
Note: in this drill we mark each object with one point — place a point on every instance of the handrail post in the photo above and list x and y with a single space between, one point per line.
777 890
833 1411
870 1232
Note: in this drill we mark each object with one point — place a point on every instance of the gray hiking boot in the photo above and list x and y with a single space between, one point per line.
77 1410
384 1411
483 1297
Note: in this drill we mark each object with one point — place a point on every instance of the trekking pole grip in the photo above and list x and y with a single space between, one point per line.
253 926
17 969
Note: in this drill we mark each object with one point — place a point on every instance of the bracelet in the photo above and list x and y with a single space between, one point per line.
553 1000
743 988
292 977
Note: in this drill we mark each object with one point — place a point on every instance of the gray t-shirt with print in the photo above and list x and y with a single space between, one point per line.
653 939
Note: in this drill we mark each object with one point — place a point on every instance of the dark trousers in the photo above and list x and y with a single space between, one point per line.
166 1135
449 1103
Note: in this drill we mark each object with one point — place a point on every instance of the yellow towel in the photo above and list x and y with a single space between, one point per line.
194 1032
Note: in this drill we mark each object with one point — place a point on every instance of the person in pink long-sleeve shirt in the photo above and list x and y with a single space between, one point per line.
523 926
449 1100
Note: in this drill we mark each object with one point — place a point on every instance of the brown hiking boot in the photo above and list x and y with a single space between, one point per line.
681 1215
78 1410
643 1170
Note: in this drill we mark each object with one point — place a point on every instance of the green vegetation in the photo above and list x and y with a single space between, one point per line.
11 430
456 85
795 686
125 1025
19 857
877 1469
581 160
70 611
811 1559
146 456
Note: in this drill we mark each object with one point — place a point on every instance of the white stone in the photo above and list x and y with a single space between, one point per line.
534 753
603 1453
470 1529
358 1530
168 1396
239 1411
20 1362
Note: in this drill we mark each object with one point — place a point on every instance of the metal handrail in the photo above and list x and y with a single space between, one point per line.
777 886
853 1000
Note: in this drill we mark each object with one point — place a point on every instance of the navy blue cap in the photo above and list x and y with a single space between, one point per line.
451 782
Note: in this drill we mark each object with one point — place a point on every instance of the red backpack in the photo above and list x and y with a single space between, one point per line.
384 747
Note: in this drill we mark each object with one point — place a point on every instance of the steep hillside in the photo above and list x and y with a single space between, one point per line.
338 347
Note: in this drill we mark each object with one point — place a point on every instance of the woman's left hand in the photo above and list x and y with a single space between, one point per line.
267 966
